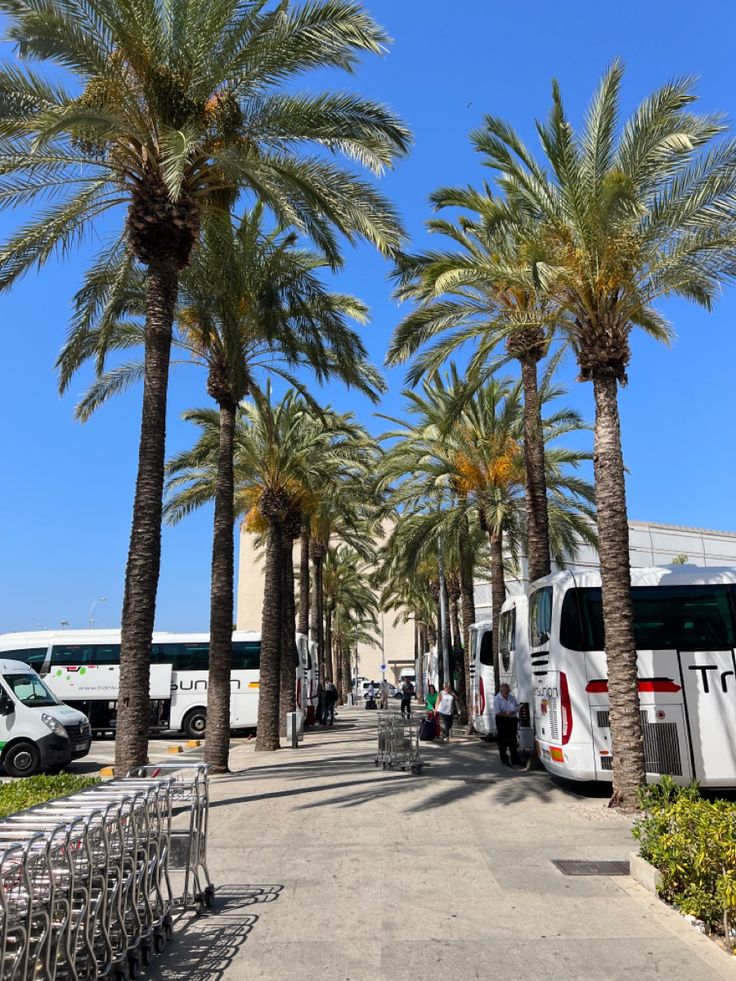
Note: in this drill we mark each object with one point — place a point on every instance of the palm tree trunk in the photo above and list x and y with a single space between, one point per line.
217 745
144 551
287 681
467 600
618 612
346 668
267 736
329 658
304 579
459 661
417 666
537 522
498 595
339 673
320 618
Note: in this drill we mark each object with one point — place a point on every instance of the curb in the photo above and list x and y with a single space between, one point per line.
645 873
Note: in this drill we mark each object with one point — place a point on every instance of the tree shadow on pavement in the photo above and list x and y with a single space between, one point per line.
205 946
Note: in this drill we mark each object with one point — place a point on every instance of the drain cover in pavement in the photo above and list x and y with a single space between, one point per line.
569 866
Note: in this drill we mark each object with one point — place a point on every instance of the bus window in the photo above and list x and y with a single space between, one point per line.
185 657
246 655
35 656
486 648
85 654
70 654
680 618
506 634
106 654
540 616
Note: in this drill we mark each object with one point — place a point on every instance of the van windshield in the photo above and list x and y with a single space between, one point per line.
30 690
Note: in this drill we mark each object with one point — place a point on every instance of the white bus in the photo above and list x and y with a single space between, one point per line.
685 628
513 668
82 668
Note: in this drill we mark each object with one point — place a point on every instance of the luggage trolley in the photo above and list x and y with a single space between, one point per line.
188 841
398 743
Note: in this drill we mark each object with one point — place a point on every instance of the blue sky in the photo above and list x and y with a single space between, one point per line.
66 489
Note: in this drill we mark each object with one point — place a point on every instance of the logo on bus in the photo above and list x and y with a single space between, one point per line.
200 685
706 679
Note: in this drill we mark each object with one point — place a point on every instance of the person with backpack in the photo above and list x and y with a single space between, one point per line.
328 717
407 690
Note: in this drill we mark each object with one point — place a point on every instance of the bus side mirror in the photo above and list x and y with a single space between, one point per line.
6 706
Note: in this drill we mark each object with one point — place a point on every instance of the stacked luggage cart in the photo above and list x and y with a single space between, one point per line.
85 880
398 743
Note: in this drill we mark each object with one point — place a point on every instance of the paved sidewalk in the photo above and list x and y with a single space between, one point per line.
329 868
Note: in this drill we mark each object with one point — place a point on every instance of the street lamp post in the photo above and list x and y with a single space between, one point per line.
90 621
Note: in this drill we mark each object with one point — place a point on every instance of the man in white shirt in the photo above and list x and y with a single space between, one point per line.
506 709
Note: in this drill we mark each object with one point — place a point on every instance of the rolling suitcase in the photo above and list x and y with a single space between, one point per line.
428 730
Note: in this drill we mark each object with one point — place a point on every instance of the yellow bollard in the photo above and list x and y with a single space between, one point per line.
175 749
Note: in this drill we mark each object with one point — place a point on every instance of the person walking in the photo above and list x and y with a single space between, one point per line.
383 697
431 699
407 690
506 709
445 709
328 717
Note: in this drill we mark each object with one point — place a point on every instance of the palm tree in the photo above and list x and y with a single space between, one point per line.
251 303
482 290
180 108
625 216
349 599
473 462
345 509
277 448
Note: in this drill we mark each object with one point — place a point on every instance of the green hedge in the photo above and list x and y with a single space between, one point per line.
692 841
21 794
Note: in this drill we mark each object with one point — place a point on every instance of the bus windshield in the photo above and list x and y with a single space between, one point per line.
679 618
30 690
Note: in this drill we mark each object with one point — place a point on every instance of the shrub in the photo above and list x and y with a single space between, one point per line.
692 841
20 794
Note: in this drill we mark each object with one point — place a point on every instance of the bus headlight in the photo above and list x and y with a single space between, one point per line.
53 724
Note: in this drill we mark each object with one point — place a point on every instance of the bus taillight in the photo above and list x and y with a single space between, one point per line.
566 709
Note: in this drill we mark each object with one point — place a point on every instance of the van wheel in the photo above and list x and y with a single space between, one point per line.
22 760
195 723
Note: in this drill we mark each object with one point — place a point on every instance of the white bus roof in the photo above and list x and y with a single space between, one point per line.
656 575
42 638
8 666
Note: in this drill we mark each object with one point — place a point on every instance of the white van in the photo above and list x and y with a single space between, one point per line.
37 731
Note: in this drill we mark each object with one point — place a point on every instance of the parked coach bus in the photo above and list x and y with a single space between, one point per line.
82 669
685 629
514 670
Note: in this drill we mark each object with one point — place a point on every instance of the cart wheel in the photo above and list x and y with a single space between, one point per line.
168 924
146 953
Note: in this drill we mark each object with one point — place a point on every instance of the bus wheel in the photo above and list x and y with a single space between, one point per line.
22 760
195 723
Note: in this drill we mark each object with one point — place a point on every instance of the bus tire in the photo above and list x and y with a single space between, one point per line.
194 724
22 760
